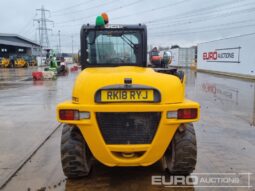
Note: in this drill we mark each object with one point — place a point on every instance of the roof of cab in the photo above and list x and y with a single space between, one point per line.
116 26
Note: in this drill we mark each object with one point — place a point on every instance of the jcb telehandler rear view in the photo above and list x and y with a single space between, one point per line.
123 113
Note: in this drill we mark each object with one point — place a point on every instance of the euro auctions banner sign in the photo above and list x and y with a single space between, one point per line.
223 55
205 180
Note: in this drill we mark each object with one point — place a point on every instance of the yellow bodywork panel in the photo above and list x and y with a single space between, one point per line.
91 80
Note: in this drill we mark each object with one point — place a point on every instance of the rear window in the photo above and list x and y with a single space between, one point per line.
113 47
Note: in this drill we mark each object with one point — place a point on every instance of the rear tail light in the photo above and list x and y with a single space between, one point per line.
187 114
69 115
73 115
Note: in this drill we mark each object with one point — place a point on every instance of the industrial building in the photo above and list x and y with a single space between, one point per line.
231 56
183 57
12 44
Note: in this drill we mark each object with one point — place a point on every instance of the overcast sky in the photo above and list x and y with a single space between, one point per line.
182 22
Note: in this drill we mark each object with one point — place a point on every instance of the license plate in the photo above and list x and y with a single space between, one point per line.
127 96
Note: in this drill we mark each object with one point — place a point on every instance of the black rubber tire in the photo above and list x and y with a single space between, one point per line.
76 158
181 156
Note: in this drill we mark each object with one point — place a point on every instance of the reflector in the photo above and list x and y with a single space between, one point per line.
84 115
171 115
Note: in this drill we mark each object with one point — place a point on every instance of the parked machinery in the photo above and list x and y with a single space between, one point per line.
155 58
5 63
20 63
31 60
166 58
